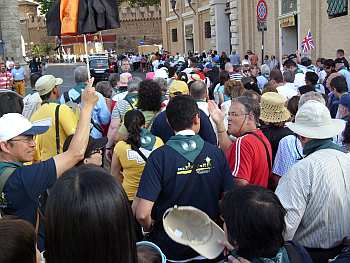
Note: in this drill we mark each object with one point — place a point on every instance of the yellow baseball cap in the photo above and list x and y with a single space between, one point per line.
178 87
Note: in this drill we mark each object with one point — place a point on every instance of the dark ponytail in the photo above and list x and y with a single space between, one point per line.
133 122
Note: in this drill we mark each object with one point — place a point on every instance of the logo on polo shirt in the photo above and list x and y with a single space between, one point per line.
3 201
202 168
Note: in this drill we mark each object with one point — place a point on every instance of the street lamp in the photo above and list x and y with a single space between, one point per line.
191 6
173 6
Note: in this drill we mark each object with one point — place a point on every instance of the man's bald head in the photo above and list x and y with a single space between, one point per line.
198 90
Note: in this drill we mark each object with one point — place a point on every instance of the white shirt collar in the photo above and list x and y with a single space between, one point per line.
186 132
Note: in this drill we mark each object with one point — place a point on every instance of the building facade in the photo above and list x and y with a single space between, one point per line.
233 26
288 22
187 27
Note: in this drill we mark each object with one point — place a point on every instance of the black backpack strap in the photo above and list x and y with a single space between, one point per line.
266 149
294 256
133 147
128 101
57 126
77 100
66 96
96 126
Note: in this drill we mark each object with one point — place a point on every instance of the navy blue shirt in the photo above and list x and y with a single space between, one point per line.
165 182
162 129
23 188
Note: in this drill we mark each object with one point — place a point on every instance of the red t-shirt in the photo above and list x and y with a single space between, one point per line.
248 160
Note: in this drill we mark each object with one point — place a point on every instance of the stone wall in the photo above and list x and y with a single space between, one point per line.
10 29
138 24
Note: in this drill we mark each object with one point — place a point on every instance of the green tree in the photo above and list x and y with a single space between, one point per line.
40 50
46 4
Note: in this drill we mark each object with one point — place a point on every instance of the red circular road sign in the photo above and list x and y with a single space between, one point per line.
261 10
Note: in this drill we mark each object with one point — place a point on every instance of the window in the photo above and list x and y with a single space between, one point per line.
288 6
337 8
207 29
174 34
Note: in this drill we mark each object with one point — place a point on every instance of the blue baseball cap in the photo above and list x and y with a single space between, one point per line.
345 101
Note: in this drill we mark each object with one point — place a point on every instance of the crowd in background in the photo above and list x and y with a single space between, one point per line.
210 158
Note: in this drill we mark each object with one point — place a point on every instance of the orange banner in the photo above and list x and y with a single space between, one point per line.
69 16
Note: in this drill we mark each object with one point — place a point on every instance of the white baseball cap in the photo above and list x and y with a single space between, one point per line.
161 73
15 124
313 120
192 227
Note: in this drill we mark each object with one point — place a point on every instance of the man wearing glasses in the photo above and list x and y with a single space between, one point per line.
250 154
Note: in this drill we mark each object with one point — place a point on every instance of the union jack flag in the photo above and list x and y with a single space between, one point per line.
308 43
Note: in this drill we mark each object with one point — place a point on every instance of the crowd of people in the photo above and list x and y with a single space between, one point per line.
208 159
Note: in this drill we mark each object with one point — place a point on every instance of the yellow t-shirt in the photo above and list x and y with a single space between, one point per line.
132 165
46 143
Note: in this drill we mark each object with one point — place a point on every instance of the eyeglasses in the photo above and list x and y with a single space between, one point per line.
96 151
235 114
27 139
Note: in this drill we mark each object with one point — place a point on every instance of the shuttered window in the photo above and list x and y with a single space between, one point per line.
337 8
207 29
174 34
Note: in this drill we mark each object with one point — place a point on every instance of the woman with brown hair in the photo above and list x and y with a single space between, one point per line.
232 89
17 242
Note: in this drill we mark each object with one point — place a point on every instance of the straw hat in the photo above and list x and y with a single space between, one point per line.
313 120
273 109
192 227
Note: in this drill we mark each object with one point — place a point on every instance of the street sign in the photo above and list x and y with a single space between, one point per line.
261 10
262 26
141 42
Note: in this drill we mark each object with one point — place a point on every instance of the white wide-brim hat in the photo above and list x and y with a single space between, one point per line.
313 120
192 227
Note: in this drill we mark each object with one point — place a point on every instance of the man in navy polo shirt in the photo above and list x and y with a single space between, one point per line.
185 171
21 186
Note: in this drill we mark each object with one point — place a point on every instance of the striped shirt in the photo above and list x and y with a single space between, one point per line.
288 153
315 193
236 76
5 80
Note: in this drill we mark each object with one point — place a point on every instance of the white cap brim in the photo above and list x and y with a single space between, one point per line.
322 132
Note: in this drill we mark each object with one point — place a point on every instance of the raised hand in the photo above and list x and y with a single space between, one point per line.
89 96
215 113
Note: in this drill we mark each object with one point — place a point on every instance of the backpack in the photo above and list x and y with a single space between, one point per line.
74 105
6 170
31 103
